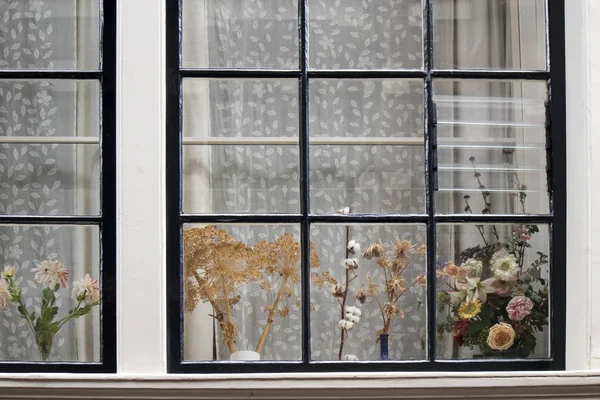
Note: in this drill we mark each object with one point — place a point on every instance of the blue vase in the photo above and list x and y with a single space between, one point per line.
383 347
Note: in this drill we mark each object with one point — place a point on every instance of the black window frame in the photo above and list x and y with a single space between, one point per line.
106 75
556 179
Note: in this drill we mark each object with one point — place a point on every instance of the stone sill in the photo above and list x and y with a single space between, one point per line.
522 385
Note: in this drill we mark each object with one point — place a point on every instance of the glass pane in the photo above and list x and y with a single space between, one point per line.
367 145
369 298
56 34
492 34
367 108
64 262
237 278
240 34
365 34
492 297
49 147
240 146
369 179
491 147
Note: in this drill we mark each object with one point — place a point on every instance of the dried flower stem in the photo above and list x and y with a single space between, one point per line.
343 304
231 341
271 316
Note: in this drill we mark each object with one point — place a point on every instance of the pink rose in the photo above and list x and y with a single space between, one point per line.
519 307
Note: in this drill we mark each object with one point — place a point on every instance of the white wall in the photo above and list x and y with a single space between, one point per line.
141 207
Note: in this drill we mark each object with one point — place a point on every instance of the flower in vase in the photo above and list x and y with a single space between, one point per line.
86 290
403 249
421 279
504 265
350 357
4 294
360 294
345 324
51 273
9 272
473 267
353 247
459 330
501 336
350 263
504 288
519 307
469 309
375 250
478 289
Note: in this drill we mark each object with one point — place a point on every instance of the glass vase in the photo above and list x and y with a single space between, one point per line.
383 347
43 342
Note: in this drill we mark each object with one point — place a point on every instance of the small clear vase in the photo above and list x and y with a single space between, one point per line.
383 347
43 343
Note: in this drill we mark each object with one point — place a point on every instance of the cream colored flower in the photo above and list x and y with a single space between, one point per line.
350 357
504 266
9 271
501 336
473 267
477 289
4 294
353 247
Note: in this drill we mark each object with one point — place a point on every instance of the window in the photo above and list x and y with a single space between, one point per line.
431 134
57 186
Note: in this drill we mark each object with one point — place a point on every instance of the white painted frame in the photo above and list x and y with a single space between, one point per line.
141 294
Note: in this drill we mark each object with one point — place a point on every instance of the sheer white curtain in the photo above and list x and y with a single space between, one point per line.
387 177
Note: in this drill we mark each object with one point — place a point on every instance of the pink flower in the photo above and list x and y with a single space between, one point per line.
86 290
51 273
519 307
504 288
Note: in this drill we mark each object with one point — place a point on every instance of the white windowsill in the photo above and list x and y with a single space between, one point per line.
544 385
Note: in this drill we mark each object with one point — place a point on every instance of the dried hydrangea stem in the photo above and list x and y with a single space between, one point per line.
343 305
271 317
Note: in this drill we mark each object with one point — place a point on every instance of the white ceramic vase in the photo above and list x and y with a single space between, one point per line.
244 355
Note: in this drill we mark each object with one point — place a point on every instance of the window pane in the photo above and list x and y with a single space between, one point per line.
236 279
492 34
49 147
381 280
56 34
493 287
240 34
367 146
240 146
40 256
491 147
369 34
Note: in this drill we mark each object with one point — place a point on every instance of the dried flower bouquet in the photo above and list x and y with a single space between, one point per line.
216 267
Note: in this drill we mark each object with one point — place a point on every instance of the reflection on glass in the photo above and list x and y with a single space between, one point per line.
47 266
240 34
357 34
244 178
366 108
240 146
491 147
49 147
266 108
493 291
370 179
242 292
369 297
56 34
492 34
